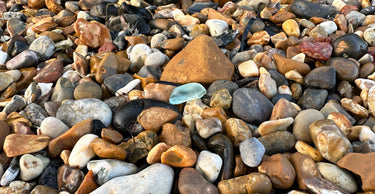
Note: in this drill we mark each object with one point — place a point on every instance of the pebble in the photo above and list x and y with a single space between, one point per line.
69 179
190 181
179 156
271 126
306 9
157 178
104 149
186 93
138 56
25 59
30 167
208 127
209 165
216 27
15 144
105 170
305 168
11 173
321 185
43 189
174 135
346 69
252 151
63 90
349 46
317 50
313 98
87 90
43 46
308 150
321 77
139 146
82 153
338 176
237 130
277 142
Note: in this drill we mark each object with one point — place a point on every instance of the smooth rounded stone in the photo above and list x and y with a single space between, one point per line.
40 189
158 91
52 127
103 10
285 64
216 27
153 118
251 105
117 81
11 173
272 126
218 85
284 109
154 156
127 113
43 46
338 176
329 26
291 28
199 6
104 149
190 181
75 111
209 165
349 46
305 167
366 134
30 167
280 171
277 142
157 178
186 93
107 169
252 152
221 98
87 90
82 153
5 81
321 77
35 113
258 183
174 135
138 55
63 90
179 156
329 140
221 145
16 144
156 59
50 73
355 18
346 69
313 98
208 127
17 103
234 185
369 36
237 130
321 185
25 59
306 9
302 122
139 146
69 179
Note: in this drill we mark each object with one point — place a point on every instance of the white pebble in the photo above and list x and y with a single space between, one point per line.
216 27
329 26
82 153
52 127
126 89
248 68
209 165
366 134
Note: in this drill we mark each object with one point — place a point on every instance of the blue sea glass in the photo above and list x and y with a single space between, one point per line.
186 93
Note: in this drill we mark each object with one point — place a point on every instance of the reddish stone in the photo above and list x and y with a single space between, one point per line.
348 8
323 39
50 73
93 34
317 50
107 47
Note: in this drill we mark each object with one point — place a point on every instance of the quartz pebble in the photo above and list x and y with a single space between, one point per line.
209 165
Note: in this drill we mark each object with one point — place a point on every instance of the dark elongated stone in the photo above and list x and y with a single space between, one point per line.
306 9
142 12
349 46
198 6
103 10
221 145
321 77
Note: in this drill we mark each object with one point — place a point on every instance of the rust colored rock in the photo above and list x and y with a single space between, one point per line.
362 165
153 118
283 109
50 73
36 4
284 65
112 136
88 184
200 61
26 78
4 132
305 168
54 6
107 47
317 50
279 170
45 24
158 91
106 150
179 156
92 34
217 112
67 140
281 16
56 37
173 44
172 135
15 144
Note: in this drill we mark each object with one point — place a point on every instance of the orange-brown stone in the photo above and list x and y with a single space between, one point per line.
172 135
15 144
88 184
46 24
284 65
179 156
200 61
305 168
153 118
104 149
93 34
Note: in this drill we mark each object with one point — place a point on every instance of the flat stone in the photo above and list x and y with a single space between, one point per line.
209 165
157 178
258 183
104 149
333 106
87 90
4 132
112 136
271 126
93 34
50 73
252 151
284 65
338 176
30 167
15 145
82 153
317 50
154 117
190 181
321 77
305 168
277 142
25 59
318 185
179 156
204 52
19 187
186 93
117 81
173 135
6 80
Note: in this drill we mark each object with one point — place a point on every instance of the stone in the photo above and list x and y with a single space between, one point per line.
4 132
53 6
321 77
252 151
218 85
234 185
35 113
25 59
181 68
308 150
284 109
115 82
43 46
291 28
284 65
52 127
50 73
307 9
67 140
82 152
6 80
173 135
208 127
154 117
158 91
328 137
69 179
305 167
186 93
346 69
258 183
248 69
337 176
154 156
104 149
15 144
110 64
139 146
40 189
278 142
209 165
280 171
112 136
216 27
317 50
16 26
260 37
87 90
251 105
333 106
30 167
271 126
138 55
221 98
63 90
313 98
237 130
179 156
73 112
318 185
11 173
88 184
93 34
190 181
49 175
17 103
361 160
107 169
20 187
350 46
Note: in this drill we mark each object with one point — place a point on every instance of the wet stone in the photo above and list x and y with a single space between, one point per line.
345 69
349 46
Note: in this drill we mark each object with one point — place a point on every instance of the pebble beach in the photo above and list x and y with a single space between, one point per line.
187 96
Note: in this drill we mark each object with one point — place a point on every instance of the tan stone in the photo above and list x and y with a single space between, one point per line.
221 98
213 14
291 28
309 151
56 37
67 140
284 65
106 150
88 184
109 65
153 118
281 16
240 167
112 136
235 185
260 37
53 6
43 25
258 183
237 130
65 156
4 132
283 109
14 117
200 61
15 144
217 112
179 156
154 156
341 121
92 34
305 168
272 126
158 91
36 4
173 44
172 135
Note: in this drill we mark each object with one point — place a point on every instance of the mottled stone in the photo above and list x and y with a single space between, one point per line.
139 146
25 59
43 46
15 144
272 126
317 50
40 189
179 156
87 90
305 168
277 142
154 117
104 149
338 176
69 179
92 34
173 135
284 65
208 127
30 167
237 130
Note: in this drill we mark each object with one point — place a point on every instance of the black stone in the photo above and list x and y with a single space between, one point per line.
198 6
368 10
349 46
277 97
126 115
104 10
225 38
221 145
138 23
198 141
306 9
97 127
117 81
279 79
16 8
322 77
313 98
251 105
18 47
115 101
49 175
164 2
129 9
